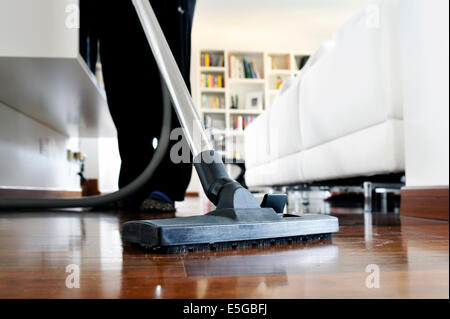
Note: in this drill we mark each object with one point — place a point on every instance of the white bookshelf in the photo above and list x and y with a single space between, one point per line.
221 121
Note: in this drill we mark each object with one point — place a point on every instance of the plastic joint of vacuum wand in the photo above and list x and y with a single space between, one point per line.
225 192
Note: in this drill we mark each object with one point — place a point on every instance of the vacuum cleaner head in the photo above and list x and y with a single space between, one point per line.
227 229
239 220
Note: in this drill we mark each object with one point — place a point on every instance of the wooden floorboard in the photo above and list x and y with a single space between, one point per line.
425 202
36 247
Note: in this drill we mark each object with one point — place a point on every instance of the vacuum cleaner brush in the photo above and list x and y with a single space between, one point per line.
239 220
227 229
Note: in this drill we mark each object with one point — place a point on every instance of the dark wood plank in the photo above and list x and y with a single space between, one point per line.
36 247
425 202
90 188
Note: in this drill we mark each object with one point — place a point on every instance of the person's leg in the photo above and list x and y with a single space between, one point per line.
134 96
176 18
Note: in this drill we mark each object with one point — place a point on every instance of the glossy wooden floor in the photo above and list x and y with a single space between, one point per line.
36 247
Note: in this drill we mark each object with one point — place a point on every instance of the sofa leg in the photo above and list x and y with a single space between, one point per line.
367 196
285 190
299 198
384 205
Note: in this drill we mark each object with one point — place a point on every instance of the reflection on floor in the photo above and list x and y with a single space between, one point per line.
412 256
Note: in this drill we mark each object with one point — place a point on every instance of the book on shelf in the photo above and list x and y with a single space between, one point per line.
287 62
208 60
213 102
254 70
301 61
212 81
221 61
247 69
240 122
242 68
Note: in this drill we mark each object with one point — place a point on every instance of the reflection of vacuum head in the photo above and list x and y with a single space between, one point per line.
289 259
238 221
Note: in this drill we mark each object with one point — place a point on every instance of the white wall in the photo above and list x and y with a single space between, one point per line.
89 147
425 54
102 162
33 155
41 28
109 164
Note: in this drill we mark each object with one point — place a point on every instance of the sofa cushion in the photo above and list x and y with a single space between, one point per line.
256 141
284 121
354 83
282 171
375 150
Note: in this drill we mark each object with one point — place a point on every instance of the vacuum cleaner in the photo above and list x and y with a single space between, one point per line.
238 220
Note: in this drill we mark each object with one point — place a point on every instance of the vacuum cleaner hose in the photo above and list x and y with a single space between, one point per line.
101 200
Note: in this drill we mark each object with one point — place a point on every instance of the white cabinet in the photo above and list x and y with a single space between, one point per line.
41 72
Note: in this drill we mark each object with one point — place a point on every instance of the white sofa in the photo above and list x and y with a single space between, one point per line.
341 116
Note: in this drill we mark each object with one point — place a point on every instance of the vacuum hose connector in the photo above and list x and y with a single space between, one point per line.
220 189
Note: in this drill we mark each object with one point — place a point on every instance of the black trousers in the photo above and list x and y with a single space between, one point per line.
133 85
